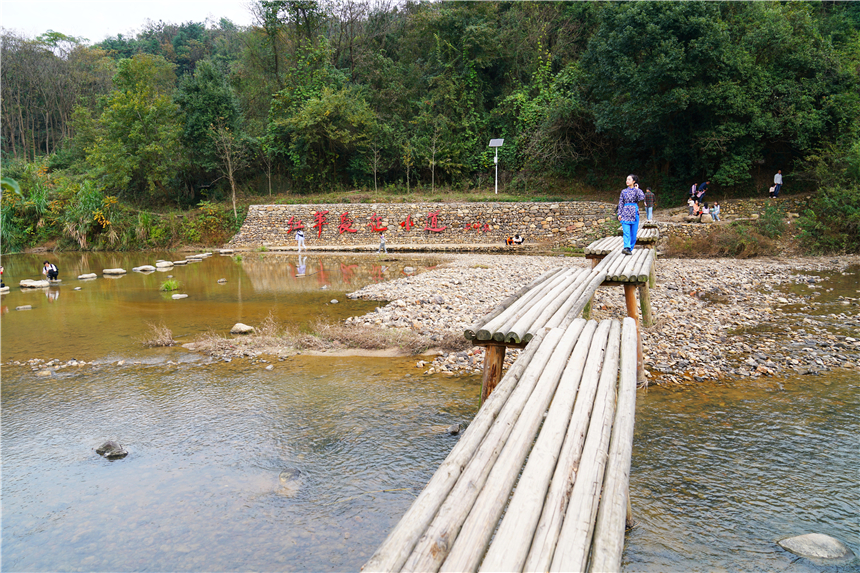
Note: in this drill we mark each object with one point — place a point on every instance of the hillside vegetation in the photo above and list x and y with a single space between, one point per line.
163 138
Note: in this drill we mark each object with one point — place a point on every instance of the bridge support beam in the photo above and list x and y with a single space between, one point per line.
632 312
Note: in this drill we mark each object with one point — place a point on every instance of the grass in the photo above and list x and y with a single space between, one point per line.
158 336
273 338
169 285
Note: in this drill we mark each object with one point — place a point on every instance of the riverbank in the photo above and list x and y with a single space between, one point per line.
714 319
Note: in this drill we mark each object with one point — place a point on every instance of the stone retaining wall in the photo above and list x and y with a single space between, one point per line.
421 223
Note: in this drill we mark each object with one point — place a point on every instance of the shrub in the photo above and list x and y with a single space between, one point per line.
831 224
772 221
159 335
169 285
740 240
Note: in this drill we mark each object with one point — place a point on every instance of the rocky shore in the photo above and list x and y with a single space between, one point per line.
714 318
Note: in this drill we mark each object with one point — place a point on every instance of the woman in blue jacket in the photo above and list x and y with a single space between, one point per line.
628 212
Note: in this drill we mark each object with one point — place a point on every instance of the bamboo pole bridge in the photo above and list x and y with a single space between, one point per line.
539 480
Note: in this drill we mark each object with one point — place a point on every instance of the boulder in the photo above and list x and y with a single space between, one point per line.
163 265
114 271
706 218
111 450
289 482
226 251
816 545
222 281
182 262
408 270
77 288
24 307
30 283
455 429
88 276
4 290
144 269
240 328
178 296
334 301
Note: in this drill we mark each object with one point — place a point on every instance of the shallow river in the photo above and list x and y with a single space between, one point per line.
720 472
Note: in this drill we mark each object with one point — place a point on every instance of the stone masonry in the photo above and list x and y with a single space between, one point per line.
420 223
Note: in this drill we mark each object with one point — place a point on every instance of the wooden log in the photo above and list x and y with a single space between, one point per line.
641 263
645 304
611 517
392 554
564 310
513 538
538 298
432 547
630 299
628 272
613 270
473 329
494 361
545 539
579 303
539 313
478 527
574 539
487 330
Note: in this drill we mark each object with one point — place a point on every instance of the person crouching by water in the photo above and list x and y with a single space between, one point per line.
518 240
509 241
628 212
50 270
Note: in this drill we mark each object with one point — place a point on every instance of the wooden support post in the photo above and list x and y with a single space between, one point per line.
494 361
595 261
645 303
632 312
652 278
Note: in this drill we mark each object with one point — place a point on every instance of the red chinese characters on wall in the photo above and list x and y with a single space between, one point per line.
346 224
407 224
477 226
434 227
295 225
321 219
376 224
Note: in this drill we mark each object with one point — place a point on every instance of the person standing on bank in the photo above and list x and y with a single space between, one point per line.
777 182
628 212
381 244
650 201
300 239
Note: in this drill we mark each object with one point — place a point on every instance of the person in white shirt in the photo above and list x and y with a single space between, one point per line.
300 239
777 183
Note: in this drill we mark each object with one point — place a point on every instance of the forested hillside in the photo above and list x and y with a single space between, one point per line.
104 139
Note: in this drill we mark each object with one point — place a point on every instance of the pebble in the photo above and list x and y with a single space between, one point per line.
714 318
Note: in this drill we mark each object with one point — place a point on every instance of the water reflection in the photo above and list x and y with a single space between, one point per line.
109 315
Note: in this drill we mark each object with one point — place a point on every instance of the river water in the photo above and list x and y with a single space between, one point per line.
306 467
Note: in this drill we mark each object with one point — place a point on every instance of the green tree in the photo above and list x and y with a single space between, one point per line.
323 138
136 151
206 101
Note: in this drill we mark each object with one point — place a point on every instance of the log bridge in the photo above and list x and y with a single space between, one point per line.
539 481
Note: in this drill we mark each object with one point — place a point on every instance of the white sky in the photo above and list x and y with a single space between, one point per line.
98 19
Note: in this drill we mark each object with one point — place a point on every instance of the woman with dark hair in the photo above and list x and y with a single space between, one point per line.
628 212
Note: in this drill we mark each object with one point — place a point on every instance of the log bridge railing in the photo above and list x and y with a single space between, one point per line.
555 418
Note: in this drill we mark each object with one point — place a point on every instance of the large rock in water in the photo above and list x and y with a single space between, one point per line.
111 450
113 271
240 328
816 545
30 283
88 276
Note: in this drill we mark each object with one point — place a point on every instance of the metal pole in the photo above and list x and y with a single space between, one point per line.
496 161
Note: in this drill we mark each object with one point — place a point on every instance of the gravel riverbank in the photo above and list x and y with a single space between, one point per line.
714 318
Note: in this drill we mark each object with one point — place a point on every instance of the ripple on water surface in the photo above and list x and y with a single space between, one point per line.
200 489
721 472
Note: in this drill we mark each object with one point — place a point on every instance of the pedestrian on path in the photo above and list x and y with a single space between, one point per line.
628 212
777 182
650 201
381 244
